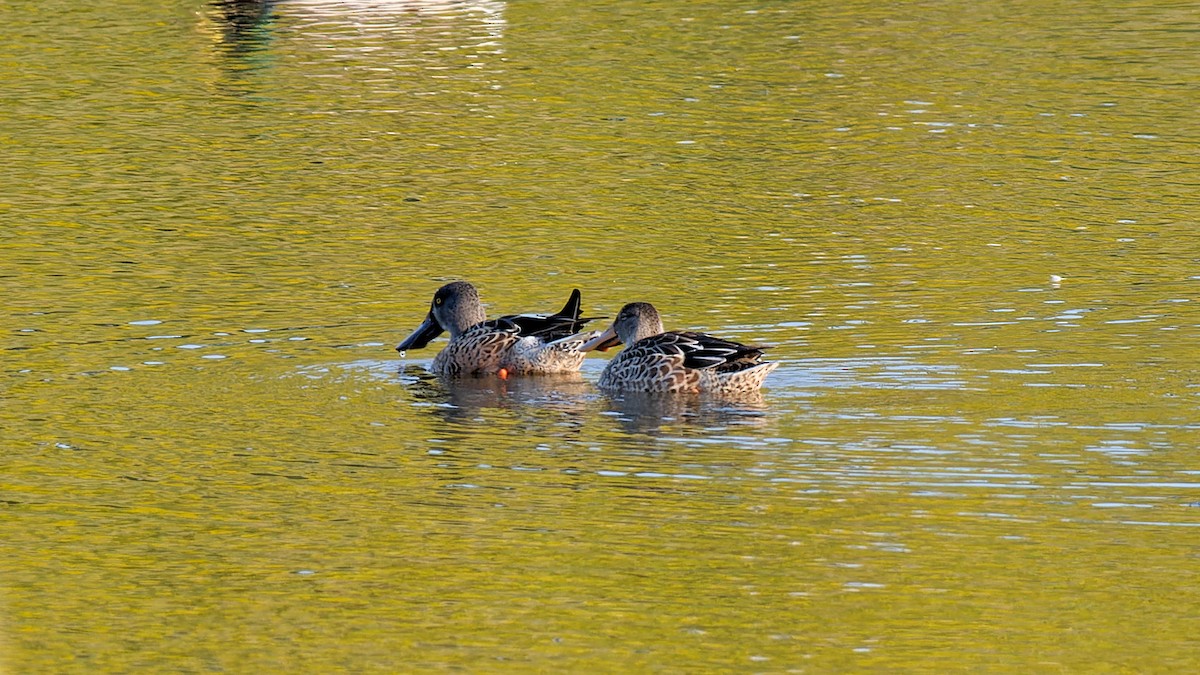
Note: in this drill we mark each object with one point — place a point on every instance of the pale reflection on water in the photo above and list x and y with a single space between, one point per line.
347 27
376 37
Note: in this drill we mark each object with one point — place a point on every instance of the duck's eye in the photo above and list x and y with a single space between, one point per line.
437 301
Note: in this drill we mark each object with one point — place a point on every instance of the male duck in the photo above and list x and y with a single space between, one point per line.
676 361
518 344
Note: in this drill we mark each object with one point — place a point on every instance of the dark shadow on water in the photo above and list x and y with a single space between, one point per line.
245 25
242 42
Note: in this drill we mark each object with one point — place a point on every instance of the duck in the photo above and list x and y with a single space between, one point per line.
516 344
661 361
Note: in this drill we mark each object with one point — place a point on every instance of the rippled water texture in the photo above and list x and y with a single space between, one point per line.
966 229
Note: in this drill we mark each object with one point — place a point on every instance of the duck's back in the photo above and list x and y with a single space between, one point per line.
684 361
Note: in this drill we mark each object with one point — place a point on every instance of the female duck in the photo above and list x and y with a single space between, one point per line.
676 361
518 344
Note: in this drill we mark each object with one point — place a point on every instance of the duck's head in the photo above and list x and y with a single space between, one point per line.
635 321
455 307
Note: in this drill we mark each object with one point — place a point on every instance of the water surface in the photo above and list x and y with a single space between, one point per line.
965 230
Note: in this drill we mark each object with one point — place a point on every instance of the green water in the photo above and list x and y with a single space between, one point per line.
967 229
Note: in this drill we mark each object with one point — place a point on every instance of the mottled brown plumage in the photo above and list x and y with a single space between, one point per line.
520 344
675 361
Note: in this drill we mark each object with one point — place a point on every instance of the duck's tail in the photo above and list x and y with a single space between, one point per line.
574 306
737 382
573 310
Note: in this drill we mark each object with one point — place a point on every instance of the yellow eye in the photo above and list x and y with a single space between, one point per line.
437 301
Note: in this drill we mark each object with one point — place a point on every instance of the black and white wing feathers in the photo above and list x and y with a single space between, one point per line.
548 327
701 351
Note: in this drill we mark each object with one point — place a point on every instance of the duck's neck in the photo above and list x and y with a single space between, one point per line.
468 317
645 327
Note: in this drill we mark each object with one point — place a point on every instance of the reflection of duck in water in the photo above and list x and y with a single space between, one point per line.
550 399
243 23
517 344
687 415
675 361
